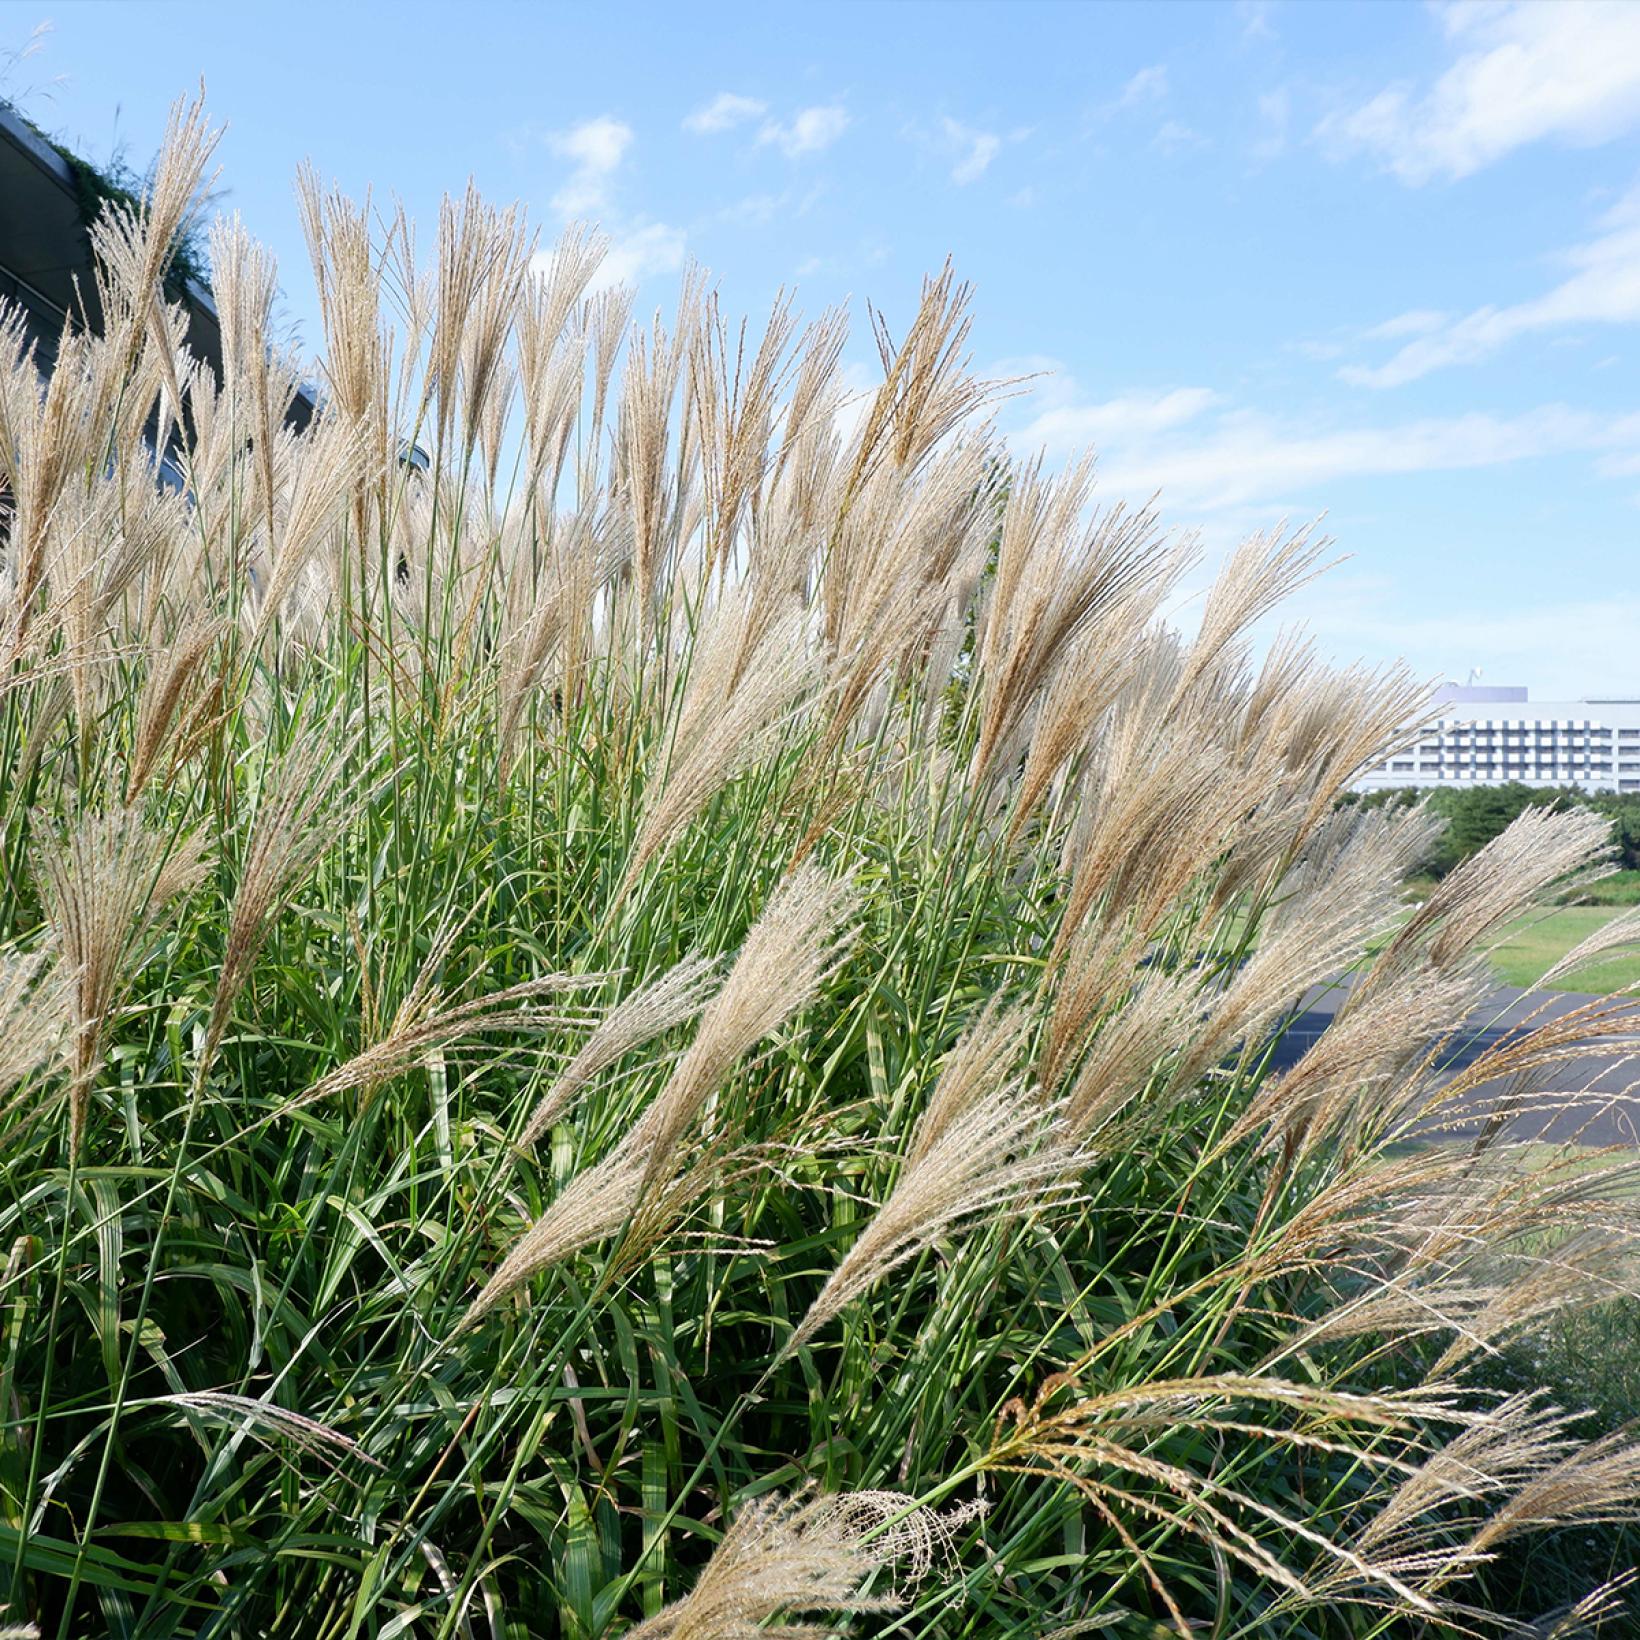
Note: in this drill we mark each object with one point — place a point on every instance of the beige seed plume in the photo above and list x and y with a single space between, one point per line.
980 1061
1088 1443
551 353
34 1011
1348 1082
1320 929
677 995
1493 886
424 1025
105 885
1054 575
295 821
1621 933
997 1159
603 319
329 468
536 618
651 486
650 1179
926 390
1598 1484
1139 1036
172 684
622 1194
1088 674
1521 1437
783 1557
267 1421
734 398
909 549
738 697
1263 571
1096 977
803 935
133 246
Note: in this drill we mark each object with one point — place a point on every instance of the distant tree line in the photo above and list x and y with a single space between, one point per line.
1476 814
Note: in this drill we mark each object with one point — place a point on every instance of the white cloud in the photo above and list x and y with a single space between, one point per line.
811 130
1524 72
758 209
725 111
1254 16
639 251
1066 425
1419 322
1602 288
1321 351
1223 471
1247 457
1207 456
636 248
597 147
974 150
1274 112
1172 136
1149 85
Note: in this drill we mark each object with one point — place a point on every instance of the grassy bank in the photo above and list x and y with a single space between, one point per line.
1535 943
1529 947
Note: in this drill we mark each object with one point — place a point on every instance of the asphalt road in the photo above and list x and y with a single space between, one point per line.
1604 1086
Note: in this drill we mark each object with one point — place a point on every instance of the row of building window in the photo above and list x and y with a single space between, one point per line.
1518 735
1526 740
1551 726
1512 766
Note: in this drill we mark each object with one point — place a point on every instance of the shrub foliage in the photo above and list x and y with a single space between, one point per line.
1474 815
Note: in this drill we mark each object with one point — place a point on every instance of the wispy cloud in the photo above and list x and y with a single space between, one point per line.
1208 456
1561 649
761 208
1247 457
1523 73
1256 18
638 247
723 113
596 147
1148 86
807 132
974 149
1603 287
1417 322
1065 423
1274 113
638 251
1174 136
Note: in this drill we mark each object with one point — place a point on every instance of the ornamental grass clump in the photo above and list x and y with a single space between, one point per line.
637 993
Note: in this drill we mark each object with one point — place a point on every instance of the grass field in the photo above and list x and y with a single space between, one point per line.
1538 941
1533 944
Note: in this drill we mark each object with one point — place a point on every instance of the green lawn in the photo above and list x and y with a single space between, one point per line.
1538 941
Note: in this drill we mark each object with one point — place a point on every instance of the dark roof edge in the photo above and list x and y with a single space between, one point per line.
17 130
22 135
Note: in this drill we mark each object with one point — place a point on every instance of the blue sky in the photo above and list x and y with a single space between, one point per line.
1380 261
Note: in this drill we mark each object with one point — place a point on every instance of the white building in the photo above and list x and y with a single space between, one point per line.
1488 736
